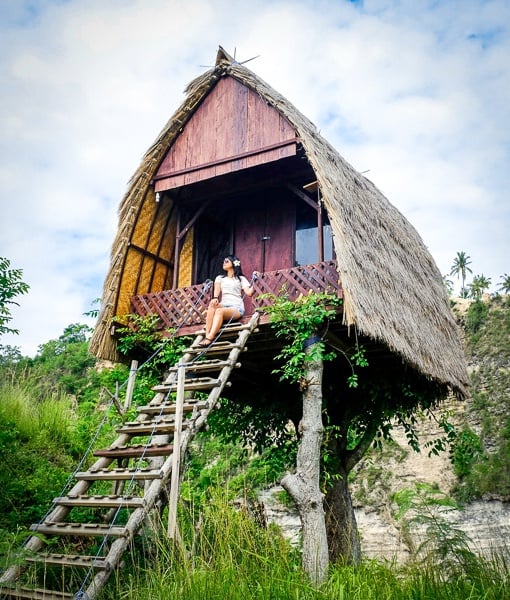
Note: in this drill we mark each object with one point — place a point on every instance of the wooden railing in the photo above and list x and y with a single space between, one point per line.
185 308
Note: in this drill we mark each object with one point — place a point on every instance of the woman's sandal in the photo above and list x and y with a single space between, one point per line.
205 342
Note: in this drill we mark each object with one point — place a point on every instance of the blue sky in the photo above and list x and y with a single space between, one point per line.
416 93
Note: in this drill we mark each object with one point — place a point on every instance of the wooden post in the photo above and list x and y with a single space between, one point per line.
130 384
176 456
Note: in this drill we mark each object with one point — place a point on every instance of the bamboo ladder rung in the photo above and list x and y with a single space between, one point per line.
219 347
232 328
119 474
72 560
136 451
168 408
34 594
110 501
148 428
84 529
209 365
195 384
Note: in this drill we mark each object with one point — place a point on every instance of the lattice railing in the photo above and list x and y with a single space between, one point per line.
186 307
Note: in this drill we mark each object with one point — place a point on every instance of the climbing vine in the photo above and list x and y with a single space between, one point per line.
300 322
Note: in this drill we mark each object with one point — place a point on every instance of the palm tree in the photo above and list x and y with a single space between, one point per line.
459 268
478 286
448 284
504 286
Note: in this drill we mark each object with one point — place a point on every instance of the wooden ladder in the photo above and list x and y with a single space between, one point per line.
139 464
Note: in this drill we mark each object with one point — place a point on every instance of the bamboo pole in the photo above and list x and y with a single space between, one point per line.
176 456
130 384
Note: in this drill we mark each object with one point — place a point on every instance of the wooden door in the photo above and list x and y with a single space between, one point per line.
264 233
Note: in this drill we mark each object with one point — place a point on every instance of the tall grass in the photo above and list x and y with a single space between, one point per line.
36 437
225 554
32 418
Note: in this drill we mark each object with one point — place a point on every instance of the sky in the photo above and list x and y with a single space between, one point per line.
414 93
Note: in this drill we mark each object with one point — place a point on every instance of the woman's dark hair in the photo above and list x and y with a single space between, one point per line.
236 263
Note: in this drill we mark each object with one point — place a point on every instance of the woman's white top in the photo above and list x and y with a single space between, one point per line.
231 288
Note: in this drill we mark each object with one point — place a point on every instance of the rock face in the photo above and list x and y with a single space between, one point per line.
381 477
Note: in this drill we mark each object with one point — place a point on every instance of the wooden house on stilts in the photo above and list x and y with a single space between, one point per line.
239 170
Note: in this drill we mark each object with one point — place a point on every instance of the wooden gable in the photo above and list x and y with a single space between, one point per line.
232 129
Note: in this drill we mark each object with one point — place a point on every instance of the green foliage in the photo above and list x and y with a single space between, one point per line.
158 349
460 268
476 315
65 364
213 463
449 436
298 321
144 335
465 452
425 509
227 553
256 426
478 286
38 445
489 470
504 286
11 286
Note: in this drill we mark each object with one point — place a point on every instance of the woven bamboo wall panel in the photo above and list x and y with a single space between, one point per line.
128 281
186 261
144 221
160 277
145 277
155 241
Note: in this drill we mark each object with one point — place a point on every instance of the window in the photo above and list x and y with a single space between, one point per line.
307 239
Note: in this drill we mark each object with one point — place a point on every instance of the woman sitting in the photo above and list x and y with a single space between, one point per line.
227 302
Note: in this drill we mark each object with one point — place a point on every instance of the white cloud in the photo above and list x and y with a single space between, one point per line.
416 92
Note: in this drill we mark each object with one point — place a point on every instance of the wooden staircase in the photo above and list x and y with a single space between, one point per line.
143 468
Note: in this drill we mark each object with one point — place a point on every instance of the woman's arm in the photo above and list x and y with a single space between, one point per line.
248 289
217 290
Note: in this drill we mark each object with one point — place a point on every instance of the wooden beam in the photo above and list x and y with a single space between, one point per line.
226 159
303 196
155 257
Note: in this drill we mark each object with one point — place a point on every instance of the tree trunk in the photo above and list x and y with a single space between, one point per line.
303 486
343 537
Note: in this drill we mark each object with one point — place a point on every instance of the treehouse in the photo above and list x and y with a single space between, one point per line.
239 170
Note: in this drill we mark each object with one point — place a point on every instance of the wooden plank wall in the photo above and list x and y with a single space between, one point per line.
232 129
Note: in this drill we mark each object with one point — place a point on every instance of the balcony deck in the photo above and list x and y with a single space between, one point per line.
184 309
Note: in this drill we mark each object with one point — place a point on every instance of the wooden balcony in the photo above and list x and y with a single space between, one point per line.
184 309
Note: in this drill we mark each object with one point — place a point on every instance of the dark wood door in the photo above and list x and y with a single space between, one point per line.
264 233
213 241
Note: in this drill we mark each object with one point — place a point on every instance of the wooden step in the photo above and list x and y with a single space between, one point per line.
72 560
168 408
34 594
111 501
198 383
235 327
119 474
207 365
84 529
136 451
218 347
149 427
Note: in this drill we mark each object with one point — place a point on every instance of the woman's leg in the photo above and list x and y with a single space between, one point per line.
209 319
221 314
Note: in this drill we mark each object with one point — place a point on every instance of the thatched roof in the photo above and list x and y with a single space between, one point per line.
393 290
